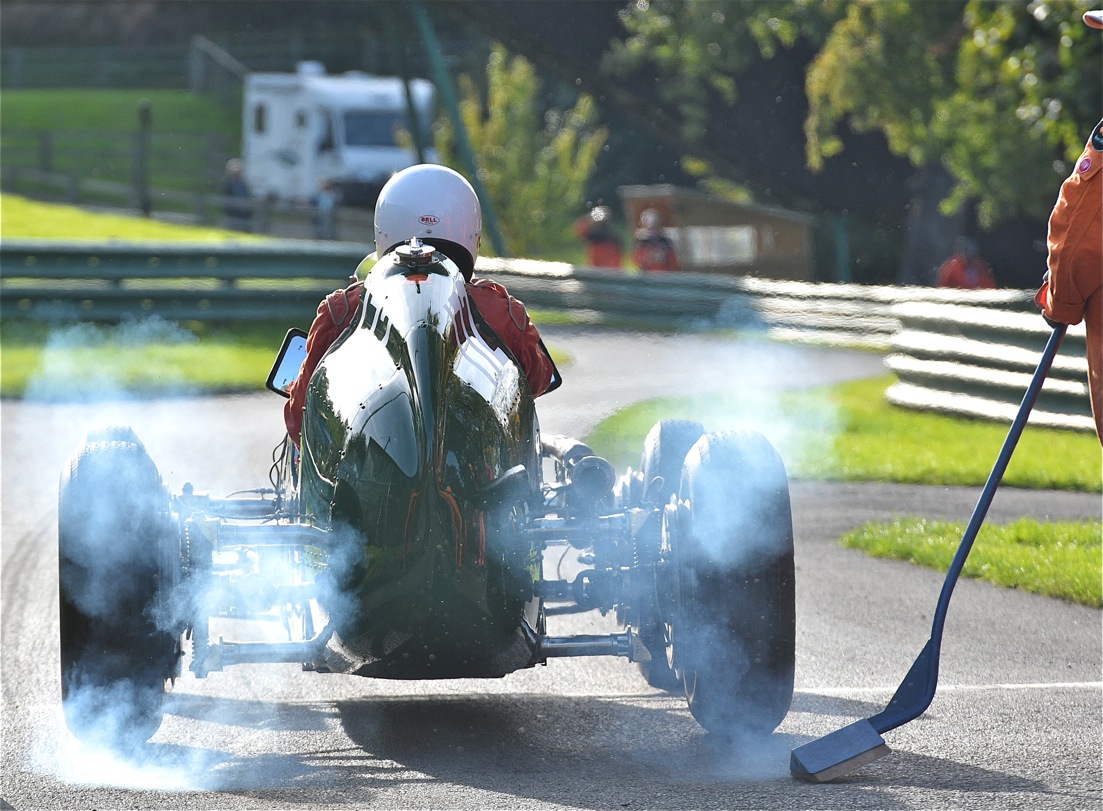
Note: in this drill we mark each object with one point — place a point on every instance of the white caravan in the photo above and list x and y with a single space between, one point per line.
300 129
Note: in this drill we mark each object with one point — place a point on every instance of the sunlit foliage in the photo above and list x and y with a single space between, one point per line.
534 164
1002 93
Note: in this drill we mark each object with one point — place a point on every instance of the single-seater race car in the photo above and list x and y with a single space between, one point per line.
406 539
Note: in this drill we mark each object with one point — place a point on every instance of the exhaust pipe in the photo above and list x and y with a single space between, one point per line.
590 477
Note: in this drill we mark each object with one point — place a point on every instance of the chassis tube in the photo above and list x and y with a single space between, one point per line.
271 535
223 653
626 644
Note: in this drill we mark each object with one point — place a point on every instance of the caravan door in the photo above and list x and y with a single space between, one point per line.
330 155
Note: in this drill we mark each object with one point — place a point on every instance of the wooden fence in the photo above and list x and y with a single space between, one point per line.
277 218
172 161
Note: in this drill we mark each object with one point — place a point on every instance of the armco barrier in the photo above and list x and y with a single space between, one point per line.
840 314
963 352
105 281
977 362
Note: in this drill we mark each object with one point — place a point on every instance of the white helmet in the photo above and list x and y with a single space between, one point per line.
435 204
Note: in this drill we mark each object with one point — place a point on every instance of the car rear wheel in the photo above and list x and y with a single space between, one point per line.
731 629
115 568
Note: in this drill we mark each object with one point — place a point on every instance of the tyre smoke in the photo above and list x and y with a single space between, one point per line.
82 361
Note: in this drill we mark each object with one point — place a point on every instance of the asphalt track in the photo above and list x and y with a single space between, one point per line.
1016 723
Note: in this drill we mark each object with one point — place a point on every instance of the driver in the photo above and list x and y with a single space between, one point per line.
439 207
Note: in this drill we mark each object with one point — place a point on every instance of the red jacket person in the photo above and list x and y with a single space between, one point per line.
438 206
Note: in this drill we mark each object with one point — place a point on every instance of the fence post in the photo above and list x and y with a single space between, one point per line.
46 151
141 157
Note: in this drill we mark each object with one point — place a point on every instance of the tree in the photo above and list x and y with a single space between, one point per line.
535 164
987 100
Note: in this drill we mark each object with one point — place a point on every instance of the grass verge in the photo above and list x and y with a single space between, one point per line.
21 218
148 357
1061 559
173 111
851 433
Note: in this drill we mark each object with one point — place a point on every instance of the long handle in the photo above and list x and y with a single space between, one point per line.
918 688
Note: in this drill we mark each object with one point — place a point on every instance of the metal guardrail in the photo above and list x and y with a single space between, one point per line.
821 313
977 362
962 352
106 281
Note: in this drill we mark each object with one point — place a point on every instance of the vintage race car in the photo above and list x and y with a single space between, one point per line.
407 539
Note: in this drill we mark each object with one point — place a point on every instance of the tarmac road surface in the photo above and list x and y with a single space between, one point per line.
1016 722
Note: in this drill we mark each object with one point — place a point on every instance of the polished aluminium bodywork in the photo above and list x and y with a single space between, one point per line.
412 420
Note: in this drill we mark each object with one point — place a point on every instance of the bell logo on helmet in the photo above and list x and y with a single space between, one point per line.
428 219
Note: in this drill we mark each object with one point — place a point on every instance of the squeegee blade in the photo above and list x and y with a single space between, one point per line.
838 753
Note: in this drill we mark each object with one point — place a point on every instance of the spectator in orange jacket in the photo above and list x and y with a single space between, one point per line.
965 269
654 250
438 206
1073 287
603 249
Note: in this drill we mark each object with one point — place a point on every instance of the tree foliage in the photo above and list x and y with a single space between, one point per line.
534 163
1003 94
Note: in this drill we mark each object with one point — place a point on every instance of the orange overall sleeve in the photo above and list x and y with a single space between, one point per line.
1074 289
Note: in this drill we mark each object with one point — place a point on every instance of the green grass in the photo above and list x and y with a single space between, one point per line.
21 218
1060 559
171 111
149 357
92 136
850 432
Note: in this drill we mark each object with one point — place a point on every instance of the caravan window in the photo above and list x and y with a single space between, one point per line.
373 127
260 118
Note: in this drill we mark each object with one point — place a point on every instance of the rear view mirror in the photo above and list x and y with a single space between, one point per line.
288 362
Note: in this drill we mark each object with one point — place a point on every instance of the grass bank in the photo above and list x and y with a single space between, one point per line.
171 111
90 134
1061 559
851 433
21 218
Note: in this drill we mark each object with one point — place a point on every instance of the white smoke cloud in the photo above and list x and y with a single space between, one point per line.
114 713
80 361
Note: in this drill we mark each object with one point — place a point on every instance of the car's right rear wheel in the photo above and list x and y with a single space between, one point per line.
731 624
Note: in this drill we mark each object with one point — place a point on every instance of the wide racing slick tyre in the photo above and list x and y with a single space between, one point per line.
732 624
664 450
116 566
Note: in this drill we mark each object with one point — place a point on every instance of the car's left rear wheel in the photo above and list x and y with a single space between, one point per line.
115 563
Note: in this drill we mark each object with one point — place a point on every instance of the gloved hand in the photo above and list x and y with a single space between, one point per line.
1040 299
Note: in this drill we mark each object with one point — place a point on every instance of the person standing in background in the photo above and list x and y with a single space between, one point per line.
603 248
965 269
236 209
654 250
